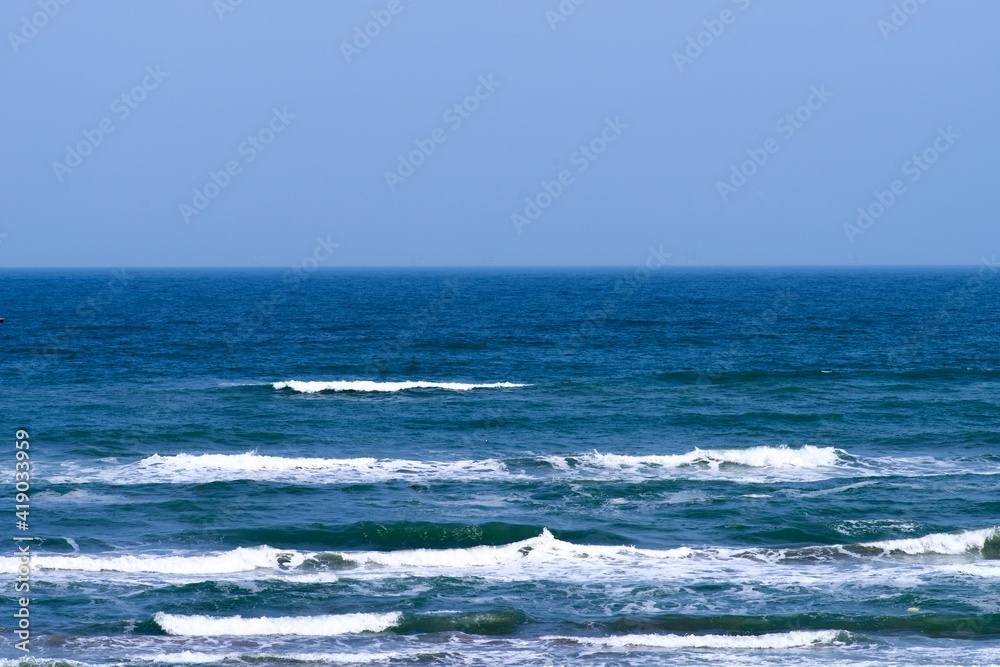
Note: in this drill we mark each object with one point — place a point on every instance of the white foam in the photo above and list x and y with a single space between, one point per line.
544 549
984 570
938 543
237 626
852 527
42 662
199 658
546 557
826 492
203 468
243 559
526 559
312 387
782 456
750 464
780 640
185 658
78 497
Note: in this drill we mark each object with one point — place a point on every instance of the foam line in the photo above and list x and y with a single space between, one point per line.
237 626
313 387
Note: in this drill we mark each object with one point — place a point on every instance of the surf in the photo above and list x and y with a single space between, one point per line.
750 465
784 640
540 556
315 387
238 626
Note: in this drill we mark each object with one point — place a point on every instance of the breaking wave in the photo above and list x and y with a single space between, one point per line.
203 468
748 465
316 626
795 639
541 557
313 387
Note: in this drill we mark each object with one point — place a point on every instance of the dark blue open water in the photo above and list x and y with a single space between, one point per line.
690 467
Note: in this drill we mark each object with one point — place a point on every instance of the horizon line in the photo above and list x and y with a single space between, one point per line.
419 267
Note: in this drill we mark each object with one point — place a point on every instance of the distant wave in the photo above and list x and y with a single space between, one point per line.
202 468
313 387
778 640
328 625
747 465
198 658
782 456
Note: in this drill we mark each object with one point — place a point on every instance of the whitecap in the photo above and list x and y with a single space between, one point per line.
312 387
232 626
778 640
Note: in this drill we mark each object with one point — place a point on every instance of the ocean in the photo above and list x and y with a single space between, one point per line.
683 466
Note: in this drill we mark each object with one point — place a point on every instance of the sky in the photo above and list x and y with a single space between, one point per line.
193 133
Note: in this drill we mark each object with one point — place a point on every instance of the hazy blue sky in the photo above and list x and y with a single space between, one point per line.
312 117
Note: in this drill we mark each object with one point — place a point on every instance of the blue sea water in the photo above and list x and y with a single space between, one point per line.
686 467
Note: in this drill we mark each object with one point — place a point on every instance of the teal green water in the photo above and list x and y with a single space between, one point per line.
588 467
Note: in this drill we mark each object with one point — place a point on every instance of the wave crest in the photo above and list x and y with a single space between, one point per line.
197 658
949 544
313 387
204 468
544 548
808 463
237 626
778 640
543 555
781 456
